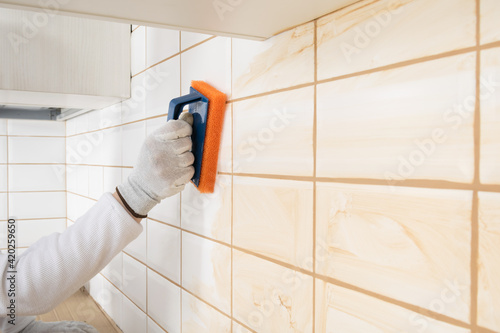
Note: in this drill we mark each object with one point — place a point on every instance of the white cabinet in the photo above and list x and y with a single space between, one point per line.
65 62
256 19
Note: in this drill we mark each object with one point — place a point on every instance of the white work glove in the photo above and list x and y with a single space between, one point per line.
164 167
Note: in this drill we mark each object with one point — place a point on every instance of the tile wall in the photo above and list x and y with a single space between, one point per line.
358 187
32 179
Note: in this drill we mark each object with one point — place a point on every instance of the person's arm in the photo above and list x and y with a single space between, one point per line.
57 265
137 219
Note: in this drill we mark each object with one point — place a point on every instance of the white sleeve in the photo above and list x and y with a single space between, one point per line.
57 265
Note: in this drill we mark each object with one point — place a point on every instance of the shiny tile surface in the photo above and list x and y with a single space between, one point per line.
208 214
199 317
386 239
414 122
205 270
271 298
274 218
490 26
489 266
274 134
282 61
490 116
352 312
372 34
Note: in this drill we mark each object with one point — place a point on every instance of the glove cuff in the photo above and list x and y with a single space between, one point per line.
138 203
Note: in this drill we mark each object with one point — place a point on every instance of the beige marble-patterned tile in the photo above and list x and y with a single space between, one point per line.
410 244
283 61
274 134
226 142
237 328
198 317
271 298
353 312
208 214
490 116
372 34
414 122
273 217
490 24
206 270
489 265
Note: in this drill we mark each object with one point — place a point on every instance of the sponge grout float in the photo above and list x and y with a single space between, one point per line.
208 106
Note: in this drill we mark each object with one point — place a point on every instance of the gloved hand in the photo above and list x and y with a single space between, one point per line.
164 167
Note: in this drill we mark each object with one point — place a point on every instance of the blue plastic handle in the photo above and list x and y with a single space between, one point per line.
198 107
177 104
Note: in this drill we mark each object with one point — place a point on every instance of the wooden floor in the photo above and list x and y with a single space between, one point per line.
81 307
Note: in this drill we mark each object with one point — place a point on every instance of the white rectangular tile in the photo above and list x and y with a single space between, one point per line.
96 179
271 298
489 266
199 317
112 178
490 26
138 50
164 250
3 178
134 281
35 178
133 138
164 302
114 271
3 149
208 214
3 206
94 119
36 150
154 124
111 147
112 302
414 122
490 116
154 327
32 230
283 61
3 126
355 312
134 320
274 134
273 217
110 116
82 123
134 108
138 247
37 205
163 86
371 34
209 62
386 239
168 211
36 127
96 288
82 183
206 271
189 39
160 44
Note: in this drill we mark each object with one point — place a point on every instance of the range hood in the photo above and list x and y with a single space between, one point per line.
56 67
39 113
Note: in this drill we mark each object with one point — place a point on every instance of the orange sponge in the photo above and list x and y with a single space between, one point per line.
215 121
